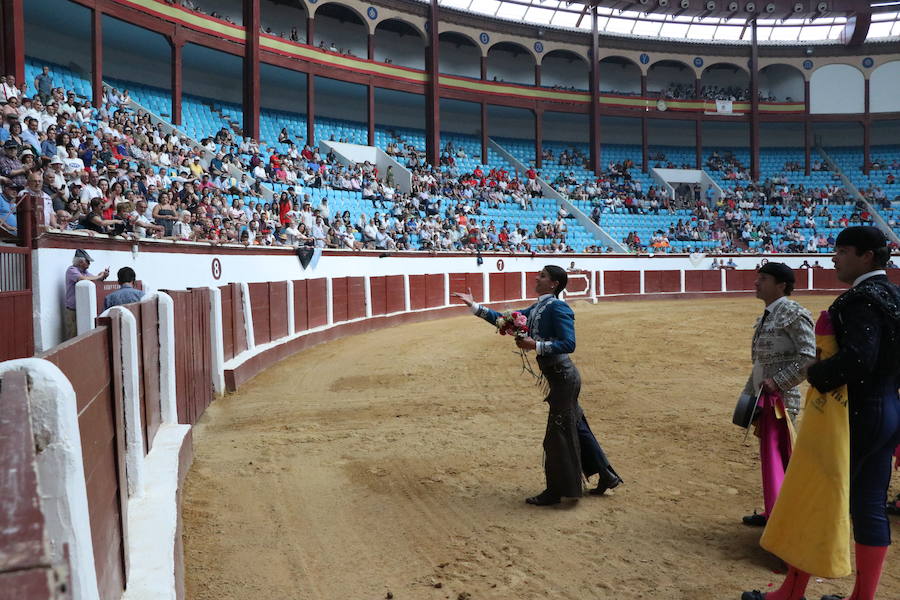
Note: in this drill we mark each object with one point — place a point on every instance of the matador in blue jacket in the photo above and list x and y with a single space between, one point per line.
570 447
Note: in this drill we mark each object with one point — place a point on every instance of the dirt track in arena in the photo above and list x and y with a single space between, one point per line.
398 462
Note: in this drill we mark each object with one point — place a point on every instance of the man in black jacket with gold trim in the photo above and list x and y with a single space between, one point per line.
867 325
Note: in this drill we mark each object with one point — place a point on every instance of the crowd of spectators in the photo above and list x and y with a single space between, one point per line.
109 170
687 91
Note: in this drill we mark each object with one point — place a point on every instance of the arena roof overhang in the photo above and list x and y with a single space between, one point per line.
781 22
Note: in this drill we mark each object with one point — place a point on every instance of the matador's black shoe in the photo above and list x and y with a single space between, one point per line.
833 597
758 595
603 487
755 520
545 498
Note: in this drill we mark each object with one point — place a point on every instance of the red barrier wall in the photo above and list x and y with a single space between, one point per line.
434 290
87 362
826 279
259 311
622 282
234 332
396 301
316 302
278 324
146 316
702 281
505 286
193 361
378 292
662 281
17 340
741 280
356 297
463 282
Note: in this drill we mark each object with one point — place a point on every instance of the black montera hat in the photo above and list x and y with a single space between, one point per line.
780 271
862 237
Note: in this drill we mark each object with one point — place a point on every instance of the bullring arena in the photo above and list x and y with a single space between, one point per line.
237 238
397 461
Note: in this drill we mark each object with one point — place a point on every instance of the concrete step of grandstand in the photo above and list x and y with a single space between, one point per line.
548 192
877 217
235 127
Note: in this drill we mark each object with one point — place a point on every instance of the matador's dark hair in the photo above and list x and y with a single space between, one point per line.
557 274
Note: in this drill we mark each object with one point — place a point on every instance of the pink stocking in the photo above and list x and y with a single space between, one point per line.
793 587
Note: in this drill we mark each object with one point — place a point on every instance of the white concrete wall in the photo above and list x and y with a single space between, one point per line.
178 270
837 89
884 88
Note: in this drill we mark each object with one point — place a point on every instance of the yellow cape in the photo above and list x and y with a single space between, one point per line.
809 528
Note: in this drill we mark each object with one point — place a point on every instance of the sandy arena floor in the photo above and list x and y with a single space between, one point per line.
398 461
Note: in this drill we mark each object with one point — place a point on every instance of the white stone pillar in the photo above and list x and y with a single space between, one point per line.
292 325
168 406
329 299
131 402
681 278
446 289
216 340
85 305
248 315
406 300
367 286
60 470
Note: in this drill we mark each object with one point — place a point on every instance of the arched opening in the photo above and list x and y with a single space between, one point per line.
884 88
138 60
564 69
510 63
619 75
58 34
341 29
781 83
399 43
837 89
285 20
670 79
282 105
725 81
459 55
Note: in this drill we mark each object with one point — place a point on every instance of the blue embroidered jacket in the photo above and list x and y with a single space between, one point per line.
551 323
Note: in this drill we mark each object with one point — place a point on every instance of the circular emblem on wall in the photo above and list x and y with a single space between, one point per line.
485 38
216 268
868 62
698 62
807 64
372 12
538 47
644 58
661 105
500 264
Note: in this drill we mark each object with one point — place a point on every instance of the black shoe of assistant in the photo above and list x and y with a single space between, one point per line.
755 520
603 487
545 498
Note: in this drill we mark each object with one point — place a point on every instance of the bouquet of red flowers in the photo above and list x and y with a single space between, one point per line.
512 323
